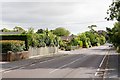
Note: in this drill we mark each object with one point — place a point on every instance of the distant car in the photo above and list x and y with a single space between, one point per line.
111 45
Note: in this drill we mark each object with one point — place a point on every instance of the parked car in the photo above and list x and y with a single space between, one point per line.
110 45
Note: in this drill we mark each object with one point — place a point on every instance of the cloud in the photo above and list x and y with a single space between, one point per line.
54 13
34 12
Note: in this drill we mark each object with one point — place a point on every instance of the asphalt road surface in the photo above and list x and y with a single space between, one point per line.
82 63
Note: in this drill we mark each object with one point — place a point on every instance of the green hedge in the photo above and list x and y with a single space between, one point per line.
12 45
22 37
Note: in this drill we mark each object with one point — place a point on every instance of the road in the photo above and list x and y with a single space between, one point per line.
81 63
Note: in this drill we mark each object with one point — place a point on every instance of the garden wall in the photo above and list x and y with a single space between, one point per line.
11 56
33 51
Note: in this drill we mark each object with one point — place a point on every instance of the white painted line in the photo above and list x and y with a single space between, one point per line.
21 67
32 64
102 60
67 64
1 70
97 71
101 64
7 71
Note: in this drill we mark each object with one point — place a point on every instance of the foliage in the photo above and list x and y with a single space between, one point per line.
102 40
39 31
114 35
91 28
68 48
90 38
22 37
15 29
47 38
80 43
114 11
12 45
61 32
18 29
5 30
74 42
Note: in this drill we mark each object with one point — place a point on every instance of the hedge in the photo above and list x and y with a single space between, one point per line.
22 37
12 45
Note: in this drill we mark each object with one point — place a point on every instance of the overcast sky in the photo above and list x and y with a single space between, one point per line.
74 15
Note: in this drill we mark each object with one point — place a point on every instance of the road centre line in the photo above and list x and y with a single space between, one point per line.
23 66
67 64
43 62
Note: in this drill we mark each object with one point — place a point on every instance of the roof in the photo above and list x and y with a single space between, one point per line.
68 38
10 33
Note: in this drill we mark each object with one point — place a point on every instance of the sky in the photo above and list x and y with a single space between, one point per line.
74 15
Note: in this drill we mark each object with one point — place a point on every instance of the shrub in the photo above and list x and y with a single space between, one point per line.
118 49
52 44
15 37
102 40
98 44
80 43
68 48
41 44
85 45
12 45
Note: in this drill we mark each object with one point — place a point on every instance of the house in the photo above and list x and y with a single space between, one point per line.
68 38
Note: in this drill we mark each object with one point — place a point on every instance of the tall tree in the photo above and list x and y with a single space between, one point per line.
61 32
92 28
40 31
5 30
114 33
114 11
18 29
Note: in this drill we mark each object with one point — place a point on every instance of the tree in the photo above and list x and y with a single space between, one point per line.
114 33
5 30
114 11
61 32
30 31
40 31
92 28
74 42
18 29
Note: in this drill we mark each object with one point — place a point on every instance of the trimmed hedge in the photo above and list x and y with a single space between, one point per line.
22 37
12 45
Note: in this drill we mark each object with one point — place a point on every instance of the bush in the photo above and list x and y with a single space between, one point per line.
118 49
85 45
41 44
102 40
74 42
23 37
12 45
68 48
80 43
98 44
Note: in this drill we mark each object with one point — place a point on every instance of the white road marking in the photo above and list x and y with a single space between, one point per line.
23 66
101 64
67 64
